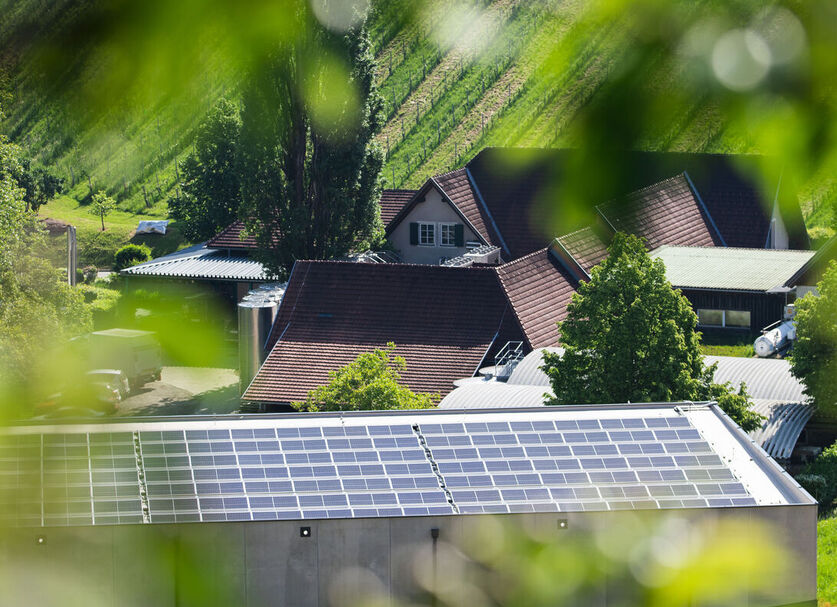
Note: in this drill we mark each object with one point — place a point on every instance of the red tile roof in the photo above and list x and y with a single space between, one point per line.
443 321
392 201
233 237
513 194
458 188
521 189
539 290
667 212
585 247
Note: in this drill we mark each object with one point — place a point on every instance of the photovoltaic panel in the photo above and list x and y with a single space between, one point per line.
584 464
481 464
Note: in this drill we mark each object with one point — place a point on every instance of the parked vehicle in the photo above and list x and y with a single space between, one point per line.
135 353
113 378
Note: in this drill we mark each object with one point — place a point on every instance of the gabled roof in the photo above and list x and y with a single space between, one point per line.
585 247
392 201
667 212
726 268
442 320
458 188
234 236
455 189
539 290
521 190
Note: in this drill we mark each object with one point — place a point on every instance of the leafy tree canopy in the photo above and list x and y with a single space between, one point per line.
369 382
37 308
309 164
814 356
630 337
210 193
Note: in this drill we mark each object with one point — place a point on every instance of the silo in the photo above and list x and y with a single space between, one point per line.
255 318
256 313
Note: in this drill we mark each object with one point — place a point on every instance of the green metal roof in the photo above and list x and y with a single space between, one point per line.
726 268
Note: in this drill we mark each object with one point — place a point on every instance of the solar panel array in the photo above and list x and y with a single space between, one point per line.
69 479
289 473
585 464
352 471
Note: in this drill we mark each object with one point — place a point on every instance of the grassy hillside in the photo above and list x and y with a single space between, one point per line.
455 77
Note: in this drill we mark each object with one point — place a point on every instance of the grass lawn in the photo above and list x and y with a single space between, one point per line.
827 561
720 344
96 247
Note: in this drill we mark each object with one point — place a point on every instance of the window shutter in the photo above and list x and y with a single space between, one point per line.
459 235
413 233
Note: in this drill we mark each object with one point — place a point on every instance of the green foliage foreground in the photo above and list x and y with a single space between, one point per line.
814 356
37 307
630 337
369 382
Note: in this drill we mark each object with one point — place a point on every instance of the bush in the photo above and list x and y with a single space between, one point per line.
820 478
131 255
89 273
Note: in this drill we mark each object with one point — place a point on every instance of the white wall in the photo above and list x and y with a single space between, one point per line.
434 210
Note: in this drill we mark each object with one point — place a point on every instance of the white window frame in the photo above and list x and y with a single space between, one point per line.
432 226
452 233
723 324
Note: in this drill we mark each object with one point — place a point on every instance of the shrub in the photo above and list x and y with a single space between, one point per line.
131 255
820 478
89 273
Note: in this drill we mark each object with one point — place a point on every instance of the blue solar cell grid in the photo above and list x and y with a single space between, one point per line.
361 471
69 479
287 473
585 464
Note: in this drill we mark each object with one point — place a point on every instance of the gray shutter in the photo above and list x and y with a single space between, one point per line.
459 235
413 233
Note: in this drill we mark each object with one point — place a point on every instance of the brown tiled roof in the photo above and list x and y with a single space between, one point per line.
233 237
663 213
522 191
513 192
457 187
585 246
392 201
539 290
443 321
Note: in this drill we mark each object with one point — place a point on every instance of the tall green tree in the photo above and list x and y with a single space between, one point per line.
368 383
38 310
310 168
630 337
814 356
210 191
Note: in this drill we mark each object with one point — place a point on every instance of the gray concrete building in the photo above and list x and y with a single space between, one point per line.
387 507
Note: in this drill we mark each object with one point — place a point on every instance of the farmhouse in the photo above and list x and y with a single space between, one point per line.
513 199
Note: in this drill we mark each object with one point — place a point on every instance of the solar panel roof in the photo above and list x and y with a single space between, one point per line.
385 464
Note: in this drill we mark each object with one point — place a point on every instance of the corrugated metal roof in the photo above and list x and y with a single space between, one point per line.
728 268
528 371
768 378
785 422
201 263
493 395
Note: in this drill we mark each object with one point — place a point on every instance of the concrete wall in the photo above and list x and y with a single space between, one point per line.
432 210
269 563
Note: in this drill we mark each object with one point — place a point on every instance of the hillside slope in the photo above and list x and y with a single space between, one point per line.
455 78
